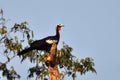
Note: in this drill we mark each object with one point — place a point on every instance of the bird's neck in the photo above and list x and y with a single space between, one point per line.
57 34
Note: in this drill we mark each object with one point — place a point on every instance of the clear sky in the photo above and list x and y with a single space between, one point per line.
92 28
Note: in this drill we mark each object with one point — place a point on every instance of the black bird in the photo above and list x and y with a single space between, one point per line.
45 43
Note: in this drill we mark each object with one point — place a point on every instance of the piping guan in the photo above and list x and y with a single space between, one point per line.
45 43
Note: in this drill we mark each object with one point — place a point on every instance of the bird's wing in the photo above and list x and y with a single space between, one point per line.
51 39
38 42
48 40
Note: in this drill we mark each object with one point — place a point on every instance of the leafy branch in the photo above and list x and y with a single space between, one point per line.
10 45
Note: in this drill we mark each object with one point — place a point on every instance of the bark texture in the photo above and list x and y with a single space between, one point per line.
52 64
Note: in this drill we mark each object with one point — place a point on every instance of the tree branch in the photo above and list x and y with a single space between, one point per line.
52 65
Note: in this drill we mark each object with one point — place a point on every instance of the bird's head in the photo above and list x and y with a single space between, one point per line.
58 26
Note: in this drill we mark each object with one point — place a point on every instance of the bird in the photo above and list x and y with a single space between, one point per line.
44 44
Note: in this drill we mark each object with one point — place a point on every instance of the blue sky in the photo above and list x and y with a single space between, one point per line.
92 28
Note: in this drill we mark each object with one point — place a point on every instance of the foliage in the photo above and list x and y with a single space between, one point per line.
71 64
12 44
11 74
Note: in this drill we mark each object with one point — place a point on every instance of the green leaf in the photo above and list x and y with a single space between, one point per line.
1 11
93 70
73 76
3 30
32 34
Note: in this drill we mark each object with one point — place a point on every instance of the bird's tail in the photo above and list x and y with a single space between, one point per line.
24 51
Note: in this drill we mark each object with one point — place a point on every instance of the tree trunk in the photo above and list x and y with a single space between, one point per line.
54 73
52 65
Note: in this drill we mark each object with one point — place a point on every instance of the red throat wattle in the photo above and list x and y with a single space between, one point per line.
59 28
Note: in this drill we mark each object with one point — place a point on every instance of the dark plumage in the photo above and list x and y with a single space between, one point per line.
45 43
